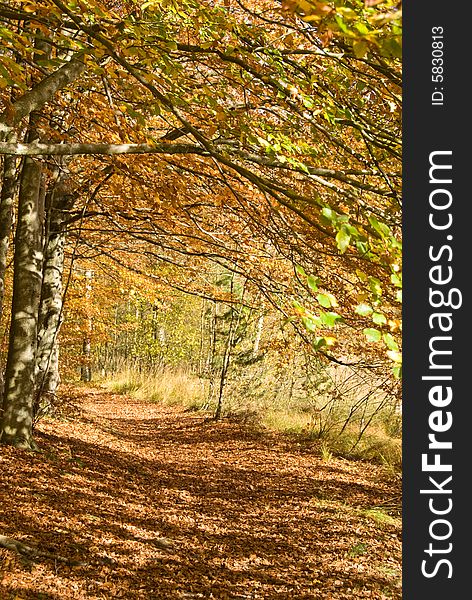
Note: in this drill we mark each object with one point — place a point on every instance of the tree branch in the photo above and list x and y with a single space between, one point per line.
40 94
39 149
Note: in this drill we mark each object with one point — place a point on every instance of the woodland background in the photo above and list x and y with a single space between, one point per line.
201 206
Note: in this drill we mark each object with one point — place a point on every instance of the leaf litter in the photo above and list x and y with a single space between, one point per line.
142 501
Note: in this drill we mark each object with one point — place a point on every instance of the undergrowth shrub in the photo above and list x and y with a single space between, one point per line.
353 422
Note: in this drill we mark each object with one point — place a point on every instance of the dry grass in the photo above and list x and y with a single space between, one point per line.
172 388
375 445
288 421
380 443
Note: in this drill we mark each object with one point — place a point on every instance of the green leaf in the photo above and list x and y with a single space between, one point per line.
329 318
300 270
390 342
329 214
393 47
395 243
324 300
363 309
353 232
312 282
309 324
308 102
380 228
379 318
397 371
395 356
362 247
319 343
361 28
372 335
342 240
375 286
347 12
342 26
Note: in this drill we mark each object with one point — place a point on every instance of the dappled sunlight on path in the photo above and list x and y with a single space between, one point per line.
161 504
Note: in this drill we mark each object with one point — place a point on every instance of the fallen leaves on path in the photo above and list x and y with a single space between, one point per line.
149 502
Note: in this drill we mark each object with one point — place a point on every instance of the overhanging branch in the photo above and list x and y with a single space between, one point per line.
40 149
41 93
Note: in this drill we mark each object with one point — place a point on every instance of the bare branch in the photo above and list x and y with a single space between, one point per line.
39 149
40 94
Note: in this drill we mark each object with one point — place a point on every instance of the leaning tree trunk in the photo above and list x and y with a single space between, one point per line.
47 377
17 419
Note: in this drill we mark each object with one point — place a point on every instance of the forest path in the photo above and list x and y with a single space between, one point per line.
164 505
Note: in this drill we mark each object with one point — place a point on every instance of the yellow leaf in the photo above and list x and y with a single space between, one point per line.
395 356
360 48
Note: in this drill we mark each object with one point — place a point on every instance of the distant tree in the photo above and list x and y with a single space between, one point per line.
284 123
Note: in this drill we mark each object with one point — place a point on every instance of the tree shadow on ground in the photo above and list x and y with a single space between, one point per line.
163 507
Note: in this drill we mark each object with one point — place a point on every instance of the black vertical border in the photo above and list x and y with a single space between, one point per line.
428 128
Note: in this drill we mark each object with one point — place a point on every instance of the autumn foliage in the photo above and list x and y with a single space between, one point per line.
205 189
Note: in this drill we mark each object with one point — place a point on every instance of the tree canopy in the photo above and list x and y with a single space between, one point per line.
172 136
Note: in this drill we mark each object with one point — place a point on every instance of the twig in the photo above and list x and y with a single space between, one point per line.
35 554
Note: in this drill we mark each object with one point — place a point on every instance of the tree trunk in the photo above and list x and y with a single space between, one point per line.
50 313
86 368
210 362
257 339
6 217
17 419
35 98
52 378
226 357
224 371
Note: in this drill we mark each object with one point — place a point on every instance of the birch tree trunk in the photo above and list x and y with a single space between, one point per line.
47 376
35 98
6 219
17 418
6 212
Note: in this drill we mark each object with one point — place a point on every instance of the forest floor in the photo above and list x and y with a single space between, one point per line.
137 500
